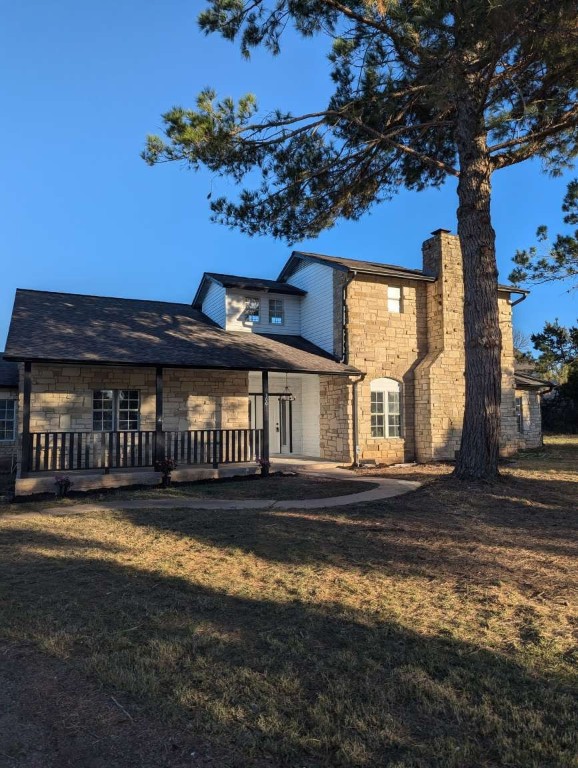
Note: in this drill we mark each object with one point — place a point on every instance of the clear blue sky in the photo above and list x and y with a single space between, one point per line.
82 83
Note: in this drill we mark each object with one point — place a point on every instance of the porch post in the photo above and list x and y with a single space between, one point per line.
159 436
265 453
26 390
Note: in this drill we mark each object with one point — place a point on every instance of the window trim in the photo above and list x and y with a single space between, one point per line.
281 314
116 400
14 419
386 385
398 299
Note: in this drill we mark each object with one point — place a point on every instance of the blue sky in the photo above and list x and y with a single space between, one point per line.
82 84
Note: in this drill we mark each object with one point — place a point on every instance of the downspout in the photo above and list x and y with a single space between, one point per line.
356 451
344 336
344 359
522 298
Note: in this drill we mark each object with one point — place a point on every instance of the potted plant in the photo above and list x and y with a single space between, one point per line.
265 466
165 467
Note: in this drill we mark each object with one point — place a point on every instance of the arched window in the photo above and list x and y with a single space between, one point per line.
385 408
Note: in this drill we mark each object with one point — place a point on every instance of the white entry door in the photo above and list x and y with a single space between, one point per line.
280 422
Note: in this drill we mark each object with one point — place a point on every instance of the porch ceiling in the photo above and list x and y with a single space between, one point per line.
73 328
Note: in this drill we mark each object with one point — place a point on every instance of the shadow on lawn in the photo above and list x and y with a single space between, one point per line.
280 684
437 532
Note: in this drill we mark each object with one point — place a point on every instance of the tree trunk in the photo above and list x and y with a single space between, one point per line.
479 450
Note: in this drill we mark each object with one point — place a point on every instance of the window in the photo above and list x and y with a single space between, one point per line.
276 312
520 414
115 409
385 408
7 419
393 298
252 310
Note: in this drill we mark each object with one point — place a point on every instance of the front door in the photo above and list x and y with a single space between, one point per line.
280 422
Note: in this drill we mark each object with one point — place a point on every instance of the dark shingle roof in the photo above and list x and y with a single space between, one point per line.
68 327
527 381
8 374
244 284
369 268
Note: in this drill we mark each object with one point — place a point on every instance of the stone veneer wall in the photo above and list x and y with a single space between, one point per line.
531 437
386 344
336 418
440 393
7 447
61 398
440 383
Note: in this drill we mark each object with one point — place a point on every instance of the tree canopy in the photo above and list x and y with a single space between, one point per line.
392 118
561 261
558 348
423 89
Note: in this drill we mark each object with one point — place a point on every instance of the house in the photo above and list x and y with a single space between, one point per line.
339 359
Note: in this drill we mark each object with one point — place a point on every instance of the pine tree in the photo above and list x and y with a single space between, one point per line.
561 262
424 89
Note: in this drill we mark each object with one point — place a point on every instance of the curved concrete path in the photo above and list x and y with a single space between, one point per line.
386 489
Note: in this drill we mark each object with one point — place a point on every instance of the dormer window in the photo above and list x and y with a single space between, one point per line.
252 309
276 312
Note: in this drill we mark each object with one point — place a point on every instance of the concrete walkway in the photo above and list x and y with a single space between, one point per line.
386 489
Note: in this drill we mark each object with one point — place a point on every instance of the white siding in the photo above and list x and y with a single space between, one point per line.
237 322
317 306
305 409
214 304
310 413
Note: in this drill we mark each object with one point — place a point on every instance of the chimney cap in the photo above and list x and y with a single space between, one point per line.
441 230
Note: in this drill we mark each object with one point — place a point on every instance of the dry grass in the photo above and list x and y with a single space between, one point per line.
434 629
275 486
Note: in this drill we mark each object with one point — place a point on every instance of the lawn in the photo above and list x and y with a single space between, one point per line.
276 486
433 629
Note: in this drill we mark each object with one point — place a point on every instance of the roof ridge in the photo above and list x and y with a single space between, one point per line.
100 296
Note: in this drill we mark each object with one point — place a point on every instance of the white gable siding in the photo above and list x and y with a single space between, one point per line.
237 322
317 305
214 304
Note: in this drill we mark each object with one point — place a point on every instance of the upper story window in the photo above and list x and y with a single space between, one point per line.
7 419
276 316
385 408
393 298
252 309
115 409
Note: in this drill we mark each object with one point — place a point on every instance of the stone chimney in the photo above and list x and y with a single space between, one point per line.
439 377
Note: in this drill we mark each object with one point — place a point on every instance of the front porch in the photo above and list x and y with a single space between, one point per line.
212 423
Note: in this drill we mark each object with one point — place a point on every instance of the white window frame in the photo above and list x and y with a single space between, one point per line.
394 299
251 303
387 409
116 409
4 418
277 317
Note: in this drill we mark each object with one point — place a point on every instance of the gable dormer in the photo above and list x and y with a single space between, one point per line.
250 304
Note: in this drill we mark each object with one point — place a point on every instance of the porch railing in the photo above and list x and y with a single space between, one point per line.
66 451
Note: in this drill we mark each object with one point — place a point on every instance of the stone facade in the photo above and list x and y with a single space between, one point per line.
336 418
386 344
531 434
61 397
422 347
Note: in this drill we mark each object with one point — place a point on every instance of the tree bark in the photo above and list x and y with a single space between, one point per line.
479 450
